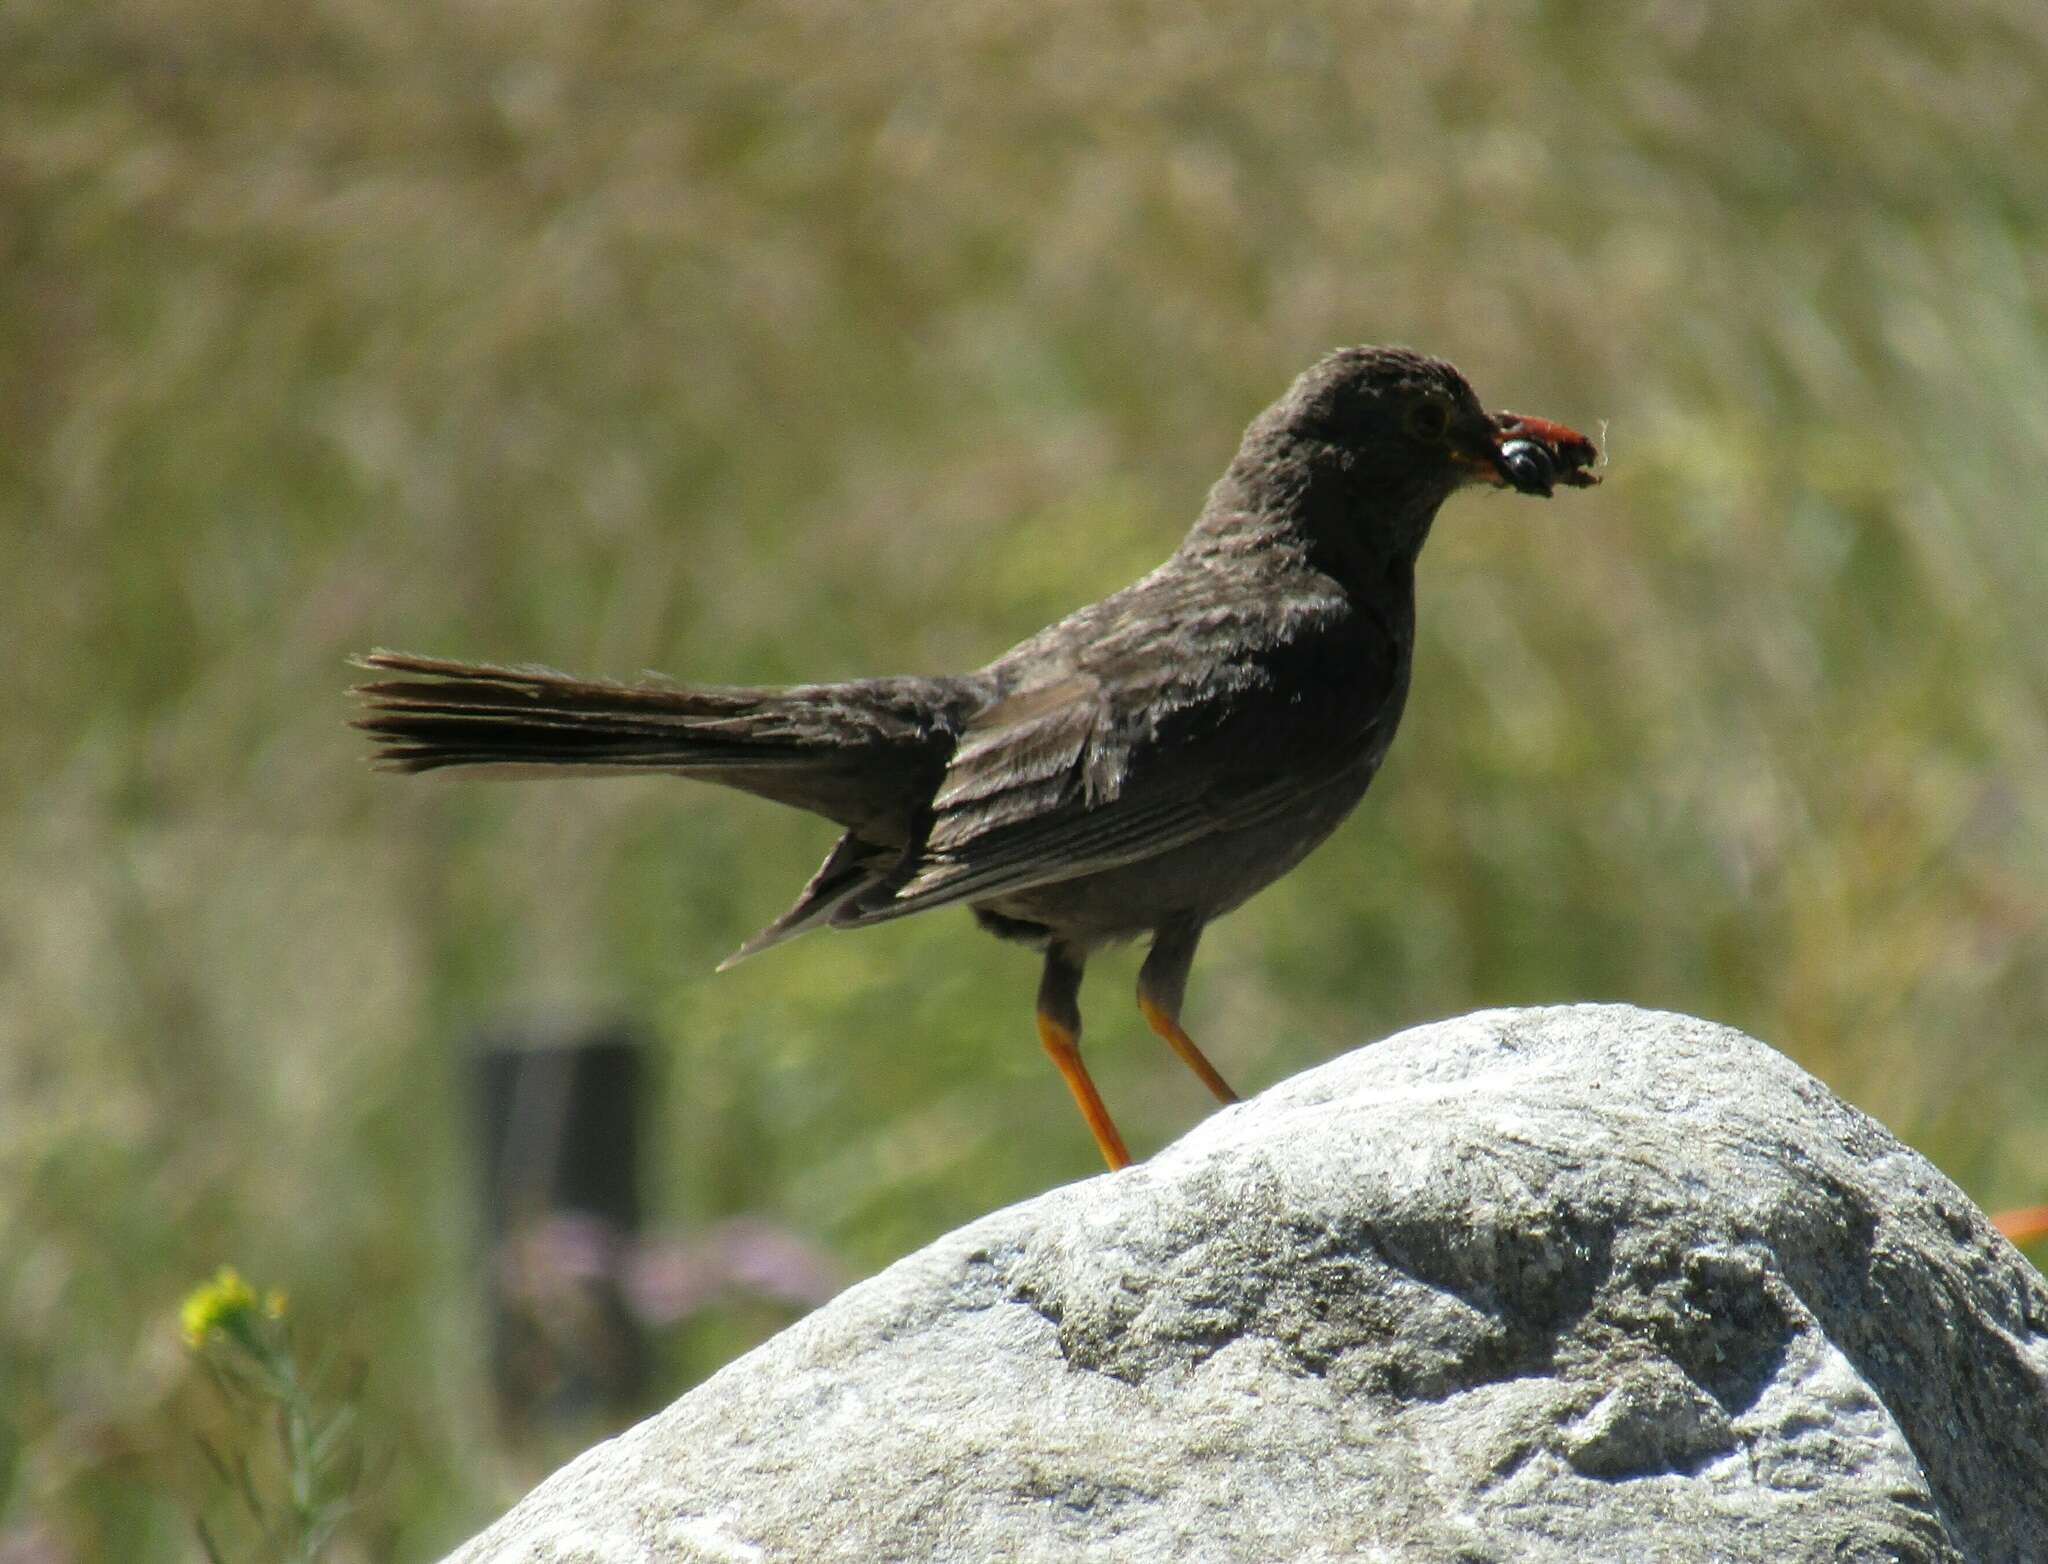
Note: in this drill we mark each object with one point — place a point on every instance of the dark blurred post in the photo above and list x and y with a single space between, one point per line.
560 1145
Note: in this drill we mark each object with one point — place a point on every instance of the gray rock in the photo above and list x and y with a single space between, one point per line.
1572 1284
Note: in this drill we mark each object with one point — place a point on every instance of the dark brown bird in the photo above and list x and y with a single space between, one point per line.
1139 768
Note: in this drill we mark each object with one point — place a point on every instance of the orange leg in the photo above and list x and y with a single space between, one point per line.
2028 1225
1161 982
1065 1047
1169 1028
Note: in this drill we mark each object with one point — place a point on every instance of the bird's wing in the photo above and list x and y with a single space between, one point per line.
1153 737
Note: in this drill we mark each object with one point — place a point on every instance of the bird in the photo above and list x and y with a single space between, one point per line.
1135 770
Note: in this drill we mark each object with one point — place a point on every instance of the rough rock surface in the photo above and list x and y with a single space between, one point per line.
1585 1283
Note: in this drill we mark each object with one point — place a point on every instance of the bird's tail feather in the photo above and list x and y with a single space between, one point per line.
848 751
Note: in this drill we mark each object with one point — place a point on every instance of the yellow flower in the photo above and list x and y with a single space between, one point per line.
225 1303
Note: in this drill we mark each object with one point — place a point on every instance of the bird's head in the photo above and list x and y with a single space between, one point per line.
1372 440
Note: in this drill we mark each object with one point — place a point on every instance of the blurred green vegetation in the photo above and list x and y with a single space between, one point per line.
801 339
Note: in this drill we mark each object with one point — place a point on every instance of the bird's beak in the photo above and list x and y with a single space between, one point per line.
1532 455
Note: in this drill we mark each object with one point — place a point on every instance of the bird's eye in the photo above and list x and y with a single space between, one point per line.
1428 419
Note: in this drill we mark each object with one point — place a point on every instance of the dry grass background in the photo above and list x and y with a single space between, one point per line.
802 338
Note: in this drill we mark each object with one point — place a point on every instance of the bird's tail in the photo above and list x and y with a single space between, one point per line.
856 752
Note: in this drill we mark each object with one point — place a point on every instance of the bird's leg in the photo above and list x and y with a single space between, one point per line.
1162 982
1059 1029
